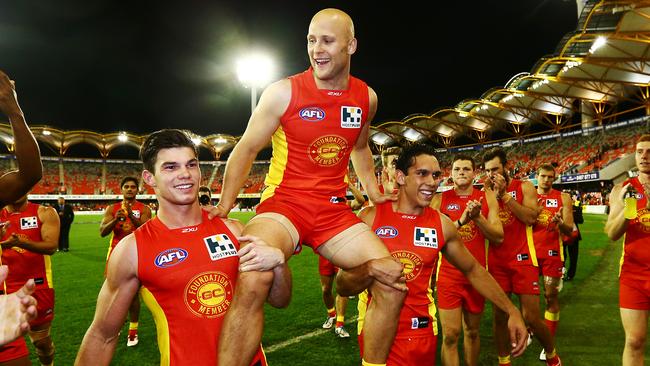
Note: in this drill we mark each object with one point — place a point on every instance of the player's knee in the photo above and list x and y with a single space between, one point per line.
450 336
471 335
635 341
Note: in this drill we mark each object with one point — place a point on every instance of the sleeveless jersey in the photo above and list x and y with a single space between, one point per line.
547 238
126 227
453 205
311 148
635 262
24 264
188 277
416 241
517 247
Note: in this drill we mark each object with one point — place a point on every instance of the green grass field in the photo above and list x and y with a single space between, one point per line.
590 332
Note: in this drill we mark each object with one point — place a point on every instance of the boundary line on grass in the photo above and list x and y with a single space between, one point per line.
289 342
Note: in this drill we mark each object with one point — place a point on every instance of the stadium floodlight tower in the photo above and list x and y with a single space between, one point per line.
255 71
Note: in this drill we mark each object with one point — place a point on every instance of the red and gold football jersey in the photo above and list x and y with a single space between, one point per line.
188 277
311 148
24 264
635 262
517 247
126 227
547 239
453 205
415 240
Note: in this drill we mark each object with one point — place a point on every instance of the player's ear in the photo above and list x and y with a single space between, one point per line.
148 178
352 46
400 177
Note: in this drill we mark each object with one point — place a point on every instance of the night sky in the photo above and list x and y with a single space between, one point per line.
139 66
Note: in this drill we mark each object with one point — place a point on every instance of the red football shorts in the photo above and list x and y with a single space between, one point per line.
45 306
325 267
453 295
518 279
550 266
410 351
14 350
634 294
317 218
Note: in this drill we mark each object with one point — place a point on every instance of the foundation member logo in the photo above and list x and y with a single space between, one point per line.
506 216
411 261
209 294
328 150
351 117
468 231
544 217
425 237
643 217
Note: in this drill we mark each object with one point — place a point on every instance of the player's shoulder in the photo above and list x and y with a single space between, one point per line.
234 225
43 209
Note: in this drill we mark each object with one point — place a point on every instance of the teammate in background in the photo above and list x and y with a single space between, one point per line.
513 263
416 234
121 219
388 157
185 263
17 308
475 214
633 223
336 306
555 218
317 120
30 234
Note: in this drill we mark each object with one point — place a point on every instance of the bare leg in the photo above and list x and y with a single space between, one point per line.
42 341
531 312
450 319
134 309
472 341
635 324
501 334
238 344
326 289
341 305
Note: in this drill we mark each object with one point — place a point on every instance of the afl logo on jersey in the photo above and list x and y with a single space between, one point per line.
312 114
170 257
328 150
453 207
386 232
209 294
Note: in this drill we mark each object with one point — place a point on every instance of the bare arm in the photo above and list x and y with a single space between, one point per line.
527 210
358 200
118 290
565 220
616 224
458 255
15 184
49 234
264 121
491 226
108 222
361 157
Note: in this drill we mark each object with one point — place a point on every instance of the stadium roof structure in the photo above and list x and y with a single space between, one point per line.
604 63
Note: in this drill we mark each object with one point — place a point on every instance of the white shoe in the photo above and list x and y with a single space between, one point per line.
132 341
341 332
542 355
329 322
530 339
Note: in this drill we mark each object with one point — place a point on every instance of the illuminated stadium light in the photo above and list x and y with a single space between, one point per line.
219 140
123 137
539 83
380 138
9 140
412 135
196 141
47 132
507 98
463 114
255 71
598 43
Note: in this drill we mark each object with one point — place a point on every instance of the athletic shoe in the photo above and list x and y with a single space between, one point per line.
555 361
542 355
329 322
341 332
132 338
530 338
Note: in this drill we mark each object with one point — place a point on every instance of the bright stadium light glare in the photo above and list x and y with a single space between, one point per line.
219 140
47 132
9 140
196 141
123 137
255 71
598 43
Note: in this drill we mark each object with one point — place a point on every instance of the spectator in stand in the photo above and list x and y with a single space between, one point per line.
66 217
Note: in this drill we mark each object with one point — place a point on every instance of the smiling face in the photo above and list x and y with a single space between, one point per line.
330 43
421 181
176 176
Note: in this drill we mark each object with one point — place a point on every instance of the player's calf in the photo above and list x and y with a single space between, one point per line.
44 346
